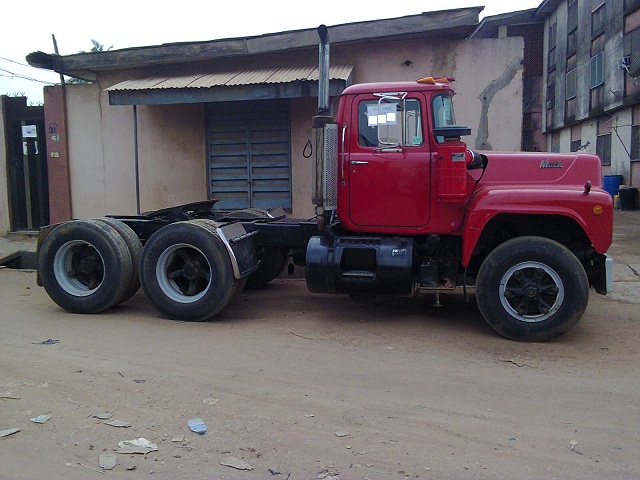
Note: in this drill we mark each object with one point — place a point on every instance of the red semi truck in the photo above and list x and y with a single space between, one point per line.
403 208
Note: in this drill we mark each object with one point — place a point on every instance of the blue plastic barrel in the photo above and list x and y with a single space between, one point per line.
612 184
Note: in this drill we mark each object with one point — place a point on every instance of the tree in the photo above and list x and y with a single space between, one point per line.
97 47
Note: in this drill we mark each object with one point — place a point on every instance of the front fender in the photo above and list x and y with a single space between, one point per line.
574 204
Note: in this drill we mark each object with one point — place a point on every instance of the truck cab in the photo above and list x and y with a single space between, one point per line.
419 213
401 158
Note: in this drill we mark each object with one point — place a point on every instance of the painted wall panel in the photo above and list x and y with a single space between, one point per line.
86 151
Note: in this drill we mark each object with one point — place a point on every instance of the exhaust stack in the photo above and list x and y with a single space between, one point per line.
323 71
325 135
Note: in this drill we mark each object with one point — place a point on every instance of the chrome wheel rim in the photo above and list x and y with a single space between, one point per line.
78 268
183 273
531 291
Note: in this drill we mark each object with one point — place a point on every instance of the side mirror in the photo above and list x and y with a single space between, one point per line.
476 160
451 132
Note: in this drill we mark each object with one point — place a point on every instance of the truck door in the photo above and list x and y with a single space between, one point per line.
389 163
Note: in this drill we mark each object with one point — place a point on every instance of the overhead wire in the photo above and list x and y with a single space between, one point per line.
11 74
23 77
17 63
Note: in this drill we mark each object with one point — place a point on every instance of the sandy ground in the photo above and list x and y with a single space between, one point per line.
315 386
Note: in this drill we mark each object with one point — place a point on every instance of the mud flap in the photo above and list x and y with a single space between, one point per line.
241 246
603 283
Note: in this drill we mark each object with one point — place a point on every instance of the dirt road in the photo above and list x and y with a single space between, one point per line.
315 386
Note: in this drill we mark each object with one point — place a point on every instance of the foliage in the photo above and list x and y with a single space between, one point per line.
97 47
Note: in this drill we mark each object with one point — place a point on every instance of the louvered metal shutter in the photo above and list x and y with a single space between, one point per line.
250 154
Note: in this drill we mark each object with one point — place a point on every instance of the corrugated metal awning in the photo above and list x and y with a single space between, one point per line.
293 82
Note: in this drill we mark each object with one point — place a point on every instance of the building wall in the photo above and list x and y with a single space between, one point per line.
301 111
60 204
621 142
5 220
619 94
172 155
493 85
86 151
171 147
172 138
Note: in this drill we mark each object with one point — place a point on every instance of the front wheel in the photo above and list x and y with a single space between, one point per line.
532 289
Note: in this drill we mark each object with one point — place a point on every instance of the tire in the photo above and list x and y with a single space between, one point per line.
272 262
135 250
186 272
81 265
532 289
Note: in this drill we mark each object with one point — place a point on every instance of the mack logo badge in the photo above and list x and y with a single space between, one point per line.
550 164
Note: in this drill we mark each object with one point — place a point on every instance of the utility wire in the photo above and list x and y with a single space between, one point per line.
23 77
17 63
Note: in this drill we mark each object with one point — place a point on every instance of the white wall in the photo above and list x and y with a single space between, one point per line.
86 151
171 145
565 140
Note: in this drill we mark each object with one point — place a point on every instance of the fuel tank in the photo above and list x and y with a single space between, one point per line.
366 265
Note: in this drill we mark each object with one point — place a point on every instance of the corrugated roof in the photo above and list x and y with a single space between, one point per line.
228 79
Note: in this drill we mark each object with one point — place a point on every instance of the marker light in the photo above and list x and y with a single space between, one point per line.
597 209
433 81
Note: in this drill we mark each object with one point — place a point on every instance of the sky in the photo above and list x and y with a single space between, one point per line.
28 26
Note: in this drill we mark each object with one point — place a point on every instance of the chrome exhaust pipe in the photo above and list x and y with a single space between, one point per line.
323 71
325 141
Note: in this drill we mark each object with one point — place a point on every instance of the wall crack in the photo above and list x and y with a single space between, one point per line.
486 97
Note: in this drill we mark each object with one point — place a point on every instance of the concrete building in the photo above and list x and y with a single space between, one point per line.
529 26
592 87
230 119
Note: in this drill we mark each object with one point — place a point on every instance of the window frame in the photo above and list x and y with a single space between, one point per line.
571 80
575 145
572 27
635 143
551 53
605 156
399 99
598 20
596 69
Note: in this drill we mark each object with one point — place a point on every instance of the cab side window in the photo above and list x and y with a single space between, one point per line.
442 113
389 122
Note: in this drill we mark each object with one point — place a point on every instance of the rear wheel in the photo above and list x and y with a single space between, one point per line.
81 265
532 289
271 263
186 271
135 250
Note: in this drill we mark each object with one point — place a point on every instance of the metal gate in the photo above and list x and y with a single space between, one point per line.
26 164
249 154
